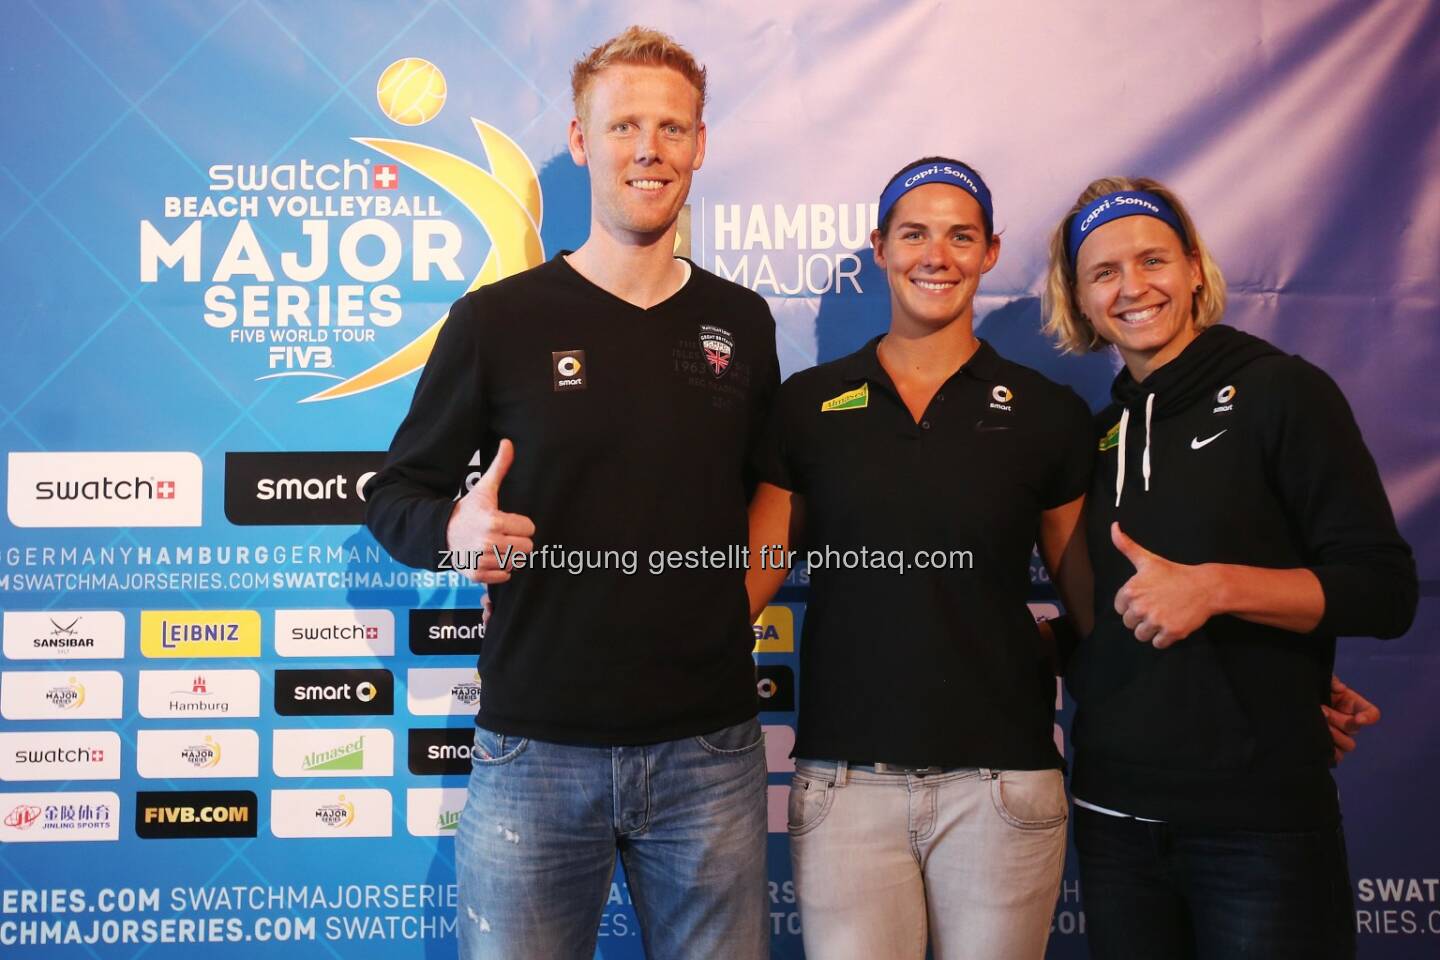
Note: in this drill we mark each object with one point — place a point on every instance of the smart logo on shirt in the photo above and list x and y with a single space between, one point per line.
1000 397
569 369
1223 399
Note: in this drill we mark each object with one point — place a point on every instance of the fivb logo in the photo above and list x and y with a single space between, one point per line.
199 693
61 695
200 633
183 754
333 753
330 814
59 817
334 633
302 323
104 489
65 635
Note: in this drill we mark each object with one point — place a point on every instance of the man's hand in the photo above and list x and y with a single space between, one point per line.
479 527
1164 602
1347 713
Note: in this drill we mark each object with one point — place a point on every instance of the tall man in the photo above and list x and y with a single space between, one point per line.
616 392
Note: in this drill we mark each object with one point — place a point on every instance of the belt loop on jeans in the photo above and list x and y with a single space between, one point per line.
987 773
842 772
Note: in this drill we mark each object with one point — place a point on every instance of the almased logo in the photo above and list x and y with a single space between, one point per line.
64 635
59 817
298 488
186 814
155 489
199 693
330 814
446 632
186 754
44 755
334 633
433 811
442 691
61 695
333 753
199 633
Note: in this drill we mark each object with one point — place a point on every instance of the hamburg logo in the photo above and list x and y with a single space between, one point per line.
718 345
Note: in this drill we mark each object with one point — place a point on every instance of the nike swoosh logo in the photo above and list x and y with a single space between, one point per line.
1196 443
982 427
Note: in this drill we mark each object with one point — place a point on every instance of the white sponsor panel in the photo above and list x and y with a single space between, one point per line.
342 752
330 813
64 635
779 741
141 489
61 694
334 633
433 811
199 693
185 754
59 817
50 755
443 691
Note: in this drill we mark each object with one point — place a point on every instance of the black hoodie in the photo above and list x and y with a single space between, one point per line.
1233 452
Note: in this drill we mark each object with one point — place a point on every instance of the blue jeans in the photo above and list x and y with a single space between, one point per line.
535 849
1157 890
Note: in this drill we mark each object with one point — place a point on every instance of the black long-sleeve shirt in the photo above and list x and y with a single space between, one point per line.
632 430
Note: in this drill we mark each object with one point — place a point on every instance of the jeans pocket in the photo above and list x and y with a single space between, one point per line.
1030 799
810 802
491 749
733 741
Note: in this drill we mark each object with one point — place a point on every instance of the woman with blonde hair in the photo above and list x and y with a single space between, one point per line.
1236 525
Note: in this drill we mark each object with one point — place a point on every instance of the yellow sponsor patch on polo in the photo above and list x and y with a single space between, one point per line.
851 400
1111 438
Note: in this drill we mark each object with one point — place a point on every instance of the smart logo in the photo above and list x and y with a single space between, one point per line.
186 634
308 489
157 489
188 814
775 686
436 752
334 692
446 632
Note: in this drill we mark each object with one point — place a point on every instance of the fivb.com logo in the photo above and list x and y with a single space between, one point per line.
300 262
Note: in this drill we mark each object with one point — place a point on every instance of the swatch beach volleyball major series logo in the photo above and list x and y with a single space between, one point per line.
301 264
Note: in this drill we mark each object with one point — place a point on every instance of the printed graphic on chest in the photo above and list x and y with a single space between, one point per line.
695 363
718 345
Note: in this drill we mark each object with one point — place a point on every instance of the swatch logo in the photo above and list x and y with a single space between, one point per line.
89 755
104 489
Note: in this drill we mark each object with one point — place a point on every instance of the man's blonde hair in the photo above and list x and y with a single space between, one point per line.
1067 324
639 46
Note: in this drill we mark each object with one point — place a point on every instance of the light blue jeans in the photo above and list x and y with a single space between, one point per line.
968 860
535 849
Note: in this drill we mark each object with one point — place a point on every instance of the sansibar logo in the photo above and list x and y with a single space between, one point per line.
334 692
64 635
199 693
435 752
298 488
184 814
42 755
161 489
64 695
59 817
200 633
446 632
334 633
334 753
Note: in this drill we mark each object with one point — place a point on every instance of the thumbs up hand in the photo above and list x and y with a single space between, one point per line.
1164 602
480 529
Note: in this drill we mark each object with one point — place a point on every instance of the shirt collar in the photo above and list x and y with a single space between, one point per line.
864 364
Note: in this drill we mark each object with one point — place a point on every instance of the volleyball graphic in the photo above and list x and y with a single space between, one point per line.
411 91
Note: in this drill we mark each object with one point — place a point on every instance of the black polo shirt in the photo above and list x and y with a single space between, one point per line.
913 652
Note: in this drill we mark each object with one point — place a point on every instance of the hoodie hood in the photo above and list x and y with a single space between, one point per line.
1214 354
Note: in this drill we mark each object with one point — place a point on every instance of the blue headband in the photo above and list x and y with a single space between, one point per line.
1114 206
952 173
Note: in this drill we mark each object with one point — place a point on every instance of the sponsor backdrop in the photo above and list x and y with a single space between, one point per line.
230 230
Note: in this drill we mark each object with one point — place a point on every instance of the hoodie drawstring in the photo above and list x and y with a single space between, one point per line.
1145 457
